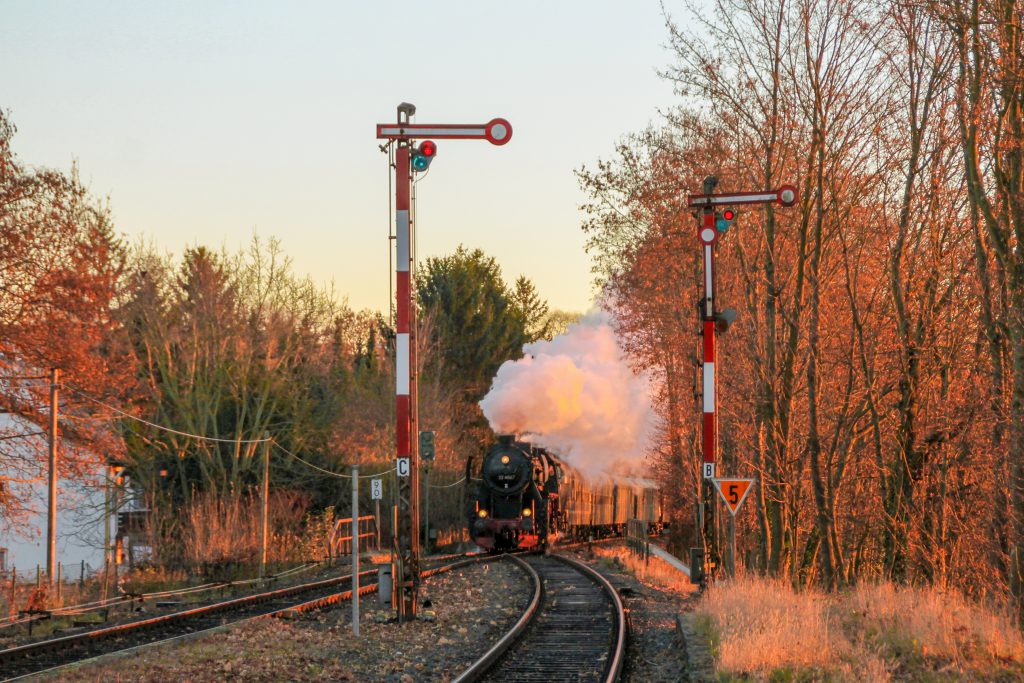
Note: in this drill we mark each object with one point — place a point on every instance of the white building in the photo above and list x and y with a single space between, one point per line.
80 519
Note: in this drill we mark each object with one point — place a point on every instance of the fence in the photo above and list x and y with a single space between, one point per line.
338 545
22 590
638 538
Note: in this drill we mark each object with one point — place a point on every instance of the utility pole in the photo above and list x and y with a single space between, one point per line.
426 453
264 505
426 507
51 519
355 550
711 225
410 160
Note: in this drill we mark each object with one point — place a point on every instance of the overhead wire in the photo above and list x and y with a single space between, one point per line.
448 485
21 436
171 430
162 427
328 472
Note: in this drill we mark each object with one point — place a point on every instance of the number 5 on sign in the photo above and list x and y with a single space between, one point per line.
733 492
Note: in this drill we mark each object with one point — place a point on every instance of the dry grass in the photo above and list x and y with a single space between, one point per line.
654 571
749 615
763 629
928 622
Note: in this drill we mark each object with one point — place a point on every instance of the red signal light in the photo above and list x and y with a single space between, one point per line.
428 148
728 214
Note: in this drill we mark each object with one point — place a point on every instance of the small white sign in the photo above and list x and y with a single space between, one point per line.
404 467
377 488
709 470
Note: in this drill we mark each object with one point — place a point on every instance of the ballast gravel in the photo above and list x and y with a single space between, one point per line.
471 608
652 600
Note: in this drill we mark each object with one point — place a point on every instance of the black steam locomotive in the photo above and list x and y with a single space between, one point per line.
524 497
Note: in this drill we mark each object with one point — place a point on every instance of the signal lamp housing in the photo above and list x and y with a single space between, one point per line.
724 219
423 155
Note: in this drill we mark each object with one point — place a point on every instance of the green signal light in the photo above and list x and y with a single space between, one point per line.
423 155
724 219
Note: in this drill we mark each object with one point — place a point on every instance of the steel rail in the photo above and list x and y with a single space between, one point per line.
131 599
618 657
30 649
483 666
488 659
13 655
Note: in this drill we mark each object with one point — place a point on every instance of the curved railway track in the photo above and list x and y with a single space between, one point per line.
573 629
52 654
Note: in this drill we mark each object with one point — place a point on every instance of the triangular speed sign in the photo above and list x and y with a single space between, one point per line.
733 491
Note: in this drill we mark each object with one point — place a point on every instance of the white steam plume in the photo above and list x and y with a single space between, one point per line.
577 396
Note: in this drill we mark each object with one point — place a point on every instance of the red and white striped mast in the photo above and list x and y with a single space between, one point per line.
711 224
406 562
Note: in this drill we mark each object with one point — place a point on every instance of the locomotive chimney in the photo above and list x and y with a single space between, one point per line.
506 439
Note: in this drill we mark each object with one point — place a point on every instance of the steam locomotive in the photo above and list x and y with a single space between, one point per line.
525 498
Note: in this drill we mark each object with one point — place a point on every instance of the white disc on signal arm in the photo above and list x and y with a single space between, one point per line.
498 131
707 235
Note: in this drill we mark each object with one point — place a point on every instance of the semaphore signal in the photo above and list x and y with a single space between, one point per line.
714 214
410 159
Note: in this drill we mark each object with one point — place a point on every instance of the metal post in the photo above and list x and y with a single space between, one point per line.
426 508
51 520
732 546
355 550
376 519
709 431
406 566
396 559
264 505
106 536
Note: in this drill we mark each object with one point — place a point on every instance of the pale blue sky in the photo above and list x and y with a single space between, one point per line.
205 121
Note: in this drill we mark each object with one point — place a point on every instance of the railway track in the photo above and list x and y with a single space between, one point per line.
51 655
573 629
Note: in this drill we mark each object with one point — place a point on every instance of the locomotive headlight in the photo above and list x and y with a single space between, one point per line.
482 513
505 459
527 512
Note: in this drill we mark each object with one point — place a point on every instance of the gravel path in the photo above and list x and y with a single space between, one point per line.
473 607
